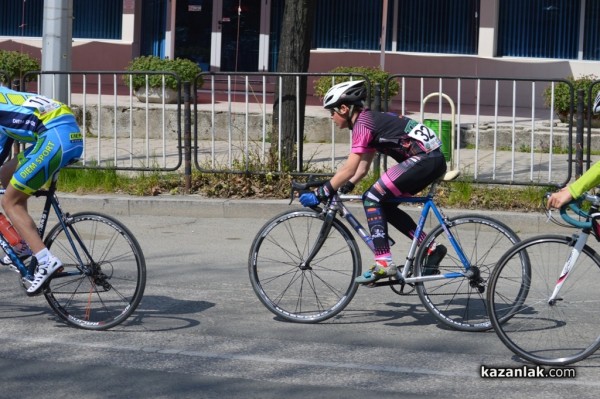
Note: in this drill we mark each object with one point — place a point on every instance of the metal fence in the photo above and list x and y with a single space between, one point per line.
501 131
125 127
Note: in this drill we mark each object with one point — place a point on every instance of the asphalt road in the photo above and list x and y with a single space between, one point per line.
201 332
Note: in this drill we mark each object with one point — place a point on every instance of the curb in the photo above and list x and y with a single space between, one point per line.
263 209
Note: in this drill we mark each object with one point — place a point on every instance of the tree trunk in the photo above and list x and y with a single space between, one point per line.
294 56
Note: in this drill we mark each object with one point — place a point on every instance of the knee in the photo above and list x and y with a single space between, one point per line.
13 198
371 197
369 202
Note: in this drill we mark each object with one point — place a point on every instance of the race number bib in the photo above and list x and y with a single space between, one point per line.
42 104
426 136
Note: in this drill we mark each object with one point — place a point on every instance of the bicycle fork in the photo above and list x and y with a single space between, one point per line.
571 260
323 234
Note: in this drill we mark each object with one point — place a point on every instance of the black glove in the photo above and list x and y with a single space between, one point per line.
324 192
321 194
346 188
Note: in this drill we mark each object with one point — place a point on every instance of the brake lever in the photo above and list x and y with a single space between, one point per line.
303 188
297 187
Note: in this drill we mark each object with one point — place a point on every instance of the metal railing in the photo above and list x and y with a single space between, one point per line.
124 127
505 131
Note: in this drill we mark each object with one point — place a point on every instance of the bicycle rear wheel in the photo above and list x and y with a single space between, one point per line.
550 334
104 272
295 291
459 301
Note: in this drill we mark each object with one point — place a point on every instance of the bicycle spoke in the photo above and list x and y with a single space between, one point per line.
556 333
289 287
104 290
459 302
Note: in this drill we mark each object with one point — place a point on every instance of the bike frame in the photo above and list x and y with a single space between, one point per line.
336 205
51 201
582 238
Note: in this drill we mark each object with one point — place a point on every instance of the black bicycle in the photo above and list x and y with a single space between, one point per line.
104 270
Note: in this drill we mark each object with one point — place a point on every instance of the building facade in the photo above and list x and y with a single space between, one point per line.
508 38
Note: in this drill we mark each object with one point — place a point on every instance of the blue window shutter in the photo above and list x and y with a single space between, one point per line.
439 26
539 28
348 24
591 38
92 19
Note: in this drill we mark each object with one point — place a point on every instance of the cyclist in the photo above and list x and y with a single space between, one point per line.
51 131
590 179
420 162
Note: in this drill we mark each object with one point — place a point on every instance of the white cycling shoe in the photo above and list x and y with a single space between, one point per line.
43 272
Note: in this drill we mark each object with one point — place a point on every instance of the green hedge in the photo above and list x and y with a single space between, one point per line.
187 70
562 95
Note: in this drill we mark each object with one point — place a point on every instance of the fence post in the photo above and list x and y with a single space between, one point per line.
187 136
579 136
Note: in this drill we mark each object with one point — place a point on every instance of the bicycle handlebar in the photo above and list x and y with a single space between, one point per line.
304 187
574 206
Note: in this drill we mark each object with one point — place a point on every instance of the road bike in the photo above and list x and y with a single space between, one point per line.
302 263
104 270
545 310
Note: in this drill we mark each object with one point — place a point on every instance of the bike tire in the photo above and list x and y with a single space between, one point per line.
303 294
111 290
563 333
459 302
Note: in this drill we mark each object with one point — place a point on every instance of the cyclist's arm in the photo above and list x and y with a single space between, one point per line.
587 181
352 170
363 168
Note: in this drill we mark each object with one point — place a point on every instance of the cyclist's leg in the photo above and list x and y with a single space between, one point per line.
401 221
405 179
54 149
14 201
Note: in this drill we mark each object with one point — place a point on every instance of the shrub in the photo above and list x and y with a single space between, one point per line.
562 95
187 70
374 75
15 64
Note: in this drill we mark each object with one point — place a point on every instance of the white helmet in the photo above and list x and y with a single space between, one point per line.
349 93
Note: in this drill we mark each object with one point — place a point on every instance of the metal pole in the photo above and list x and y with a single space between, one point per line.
187 136
383 34
56 48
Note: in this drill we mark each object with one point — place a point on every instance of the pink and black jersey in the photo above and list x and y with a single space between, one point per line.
396 136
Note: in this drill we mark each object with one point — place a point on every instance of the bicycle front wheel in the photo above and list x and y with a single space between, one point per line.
104 272
558 333
290 287
458 301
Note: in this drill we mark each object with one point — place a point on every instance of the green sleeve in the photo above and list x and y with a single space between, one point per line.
587 181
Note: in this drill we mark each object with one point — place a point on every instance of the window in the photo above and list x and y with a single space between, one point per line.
92 19
350 24
539 28
438 26
591 37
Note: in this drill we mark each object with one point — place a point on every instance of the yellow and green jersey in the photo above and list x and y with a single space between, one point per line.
24 116
587 181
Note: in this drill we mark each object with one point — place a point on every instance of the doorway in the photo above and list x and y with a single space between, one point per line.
193 31
240 31
222 35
